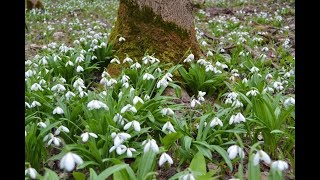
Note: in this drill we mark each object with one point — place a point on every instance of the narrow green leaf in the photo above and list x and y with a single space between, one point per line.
224 155
109 171
198 163
79 176
169 139
49 174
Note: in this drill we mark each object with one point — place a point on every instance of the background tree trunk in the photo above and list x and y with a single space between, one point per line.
162 27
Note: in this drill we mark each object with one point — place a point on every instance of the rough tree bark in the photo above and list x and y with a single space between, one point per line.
162 27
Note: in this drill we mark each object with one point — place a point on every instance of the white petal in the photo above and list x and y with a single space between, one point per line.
147 147
233 153
169 159
129 153
117 141
112 148
127 126
93 135
232 118
85 137
265 157
77 159
162 159
165 126
56 141
256 159
69 162
32 173
136 126
154 146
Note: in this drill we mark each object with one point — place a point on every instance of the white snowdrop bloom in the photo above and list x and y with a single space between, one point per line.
222 50
254 69
287 75
268 76
244 80
118 138
58 110
137 99
165 158
61 128
146 97
94 57
115 60
167 111
146 59
201 96
261 155
76 42
43 61
224 66
41 124
237 118
204 43
128 107
150 144
148 76
120 149
31 172
105 74
121 39
42 82
162 83
136 65
234 150
232 95
280 165
127 59
55 140
82 94
78 83
289 101
158 70
202 62
168 126
80 58
27 62
94 41
62 80
79 69
103 44
95 104
85 136
120 94
252 92
216 121
34 104
209 53
29 73
129 152
111 82
124 79
153 60
134 124
268 89
55 58
189 58
36 87
194 102
218 64
209 67
69 161
69 94
188 177
58 88
237 104
265 49
228 101
27 105
69 63
278 86
118 118
168 76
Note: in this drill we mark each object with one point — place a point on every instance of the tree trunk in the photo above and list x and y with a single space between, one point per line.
162 27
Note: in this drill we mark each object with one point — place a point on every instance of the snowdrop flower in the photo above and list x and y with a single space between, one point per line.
209 67
36 87
278 86
204 43
287 75
228 101
29 73
118 118
56 140
43 61
237 103
146 97
188 177
129 152
232 95
200 96
127 59
209 53
95 104
111 82
27 104
121 39
63 80
128 107
58 110
119 138
134 124
234 150
202 62
237 118
216 121
115 60
268 76
261 155
268 89
124 79
126 85
165 158
194 102
85 136
80 59
79 83
82 94
280 165
254 69
167 111
34 104
150 144
162 83
61 128
32 172
69 63
252 92
168 126
244 80
137 99
79 69
42 82
189 58
58 88
148 76
41 124
135 66
69 94
69 161
287 102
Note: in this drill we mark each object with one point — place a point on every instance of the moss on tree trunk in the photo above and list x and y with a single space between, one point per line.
145 31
